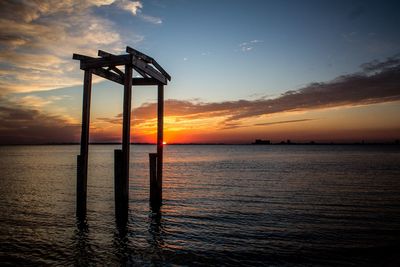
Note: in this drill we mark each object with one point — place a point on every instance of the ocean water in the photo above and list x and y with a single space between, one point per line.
223 206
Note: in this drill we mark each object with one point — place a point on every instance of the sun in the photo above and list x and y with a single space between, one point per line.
164 143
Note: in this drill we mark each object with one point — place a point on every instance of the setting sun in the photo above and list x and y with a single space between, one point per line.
164 143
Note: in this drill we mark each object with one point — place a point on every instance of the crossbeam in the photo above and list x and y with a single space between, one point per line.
106 62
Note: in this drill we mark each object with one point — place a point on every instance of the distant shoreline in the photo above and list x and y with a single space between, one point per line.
395 143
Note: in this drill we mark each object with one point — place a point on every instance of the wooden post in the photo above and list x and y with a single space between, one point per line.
154 196
160 132
118 189
82 159
126 133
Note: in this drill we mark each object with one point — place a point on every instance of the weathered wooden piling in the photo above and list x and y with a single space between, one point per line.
154 188
160 139
106 67
118 184
82 159
126 142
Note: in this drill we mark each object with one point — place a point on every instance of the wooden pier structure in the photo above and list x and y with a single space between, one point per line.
106 66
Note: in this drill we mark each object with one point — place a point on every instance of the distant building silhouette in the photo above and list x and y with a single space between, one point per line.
262 142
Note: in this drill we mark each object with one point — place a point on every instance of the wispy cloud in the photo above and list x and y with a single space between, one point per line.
248 46
37 39
136 8
379 66
151 19
282 122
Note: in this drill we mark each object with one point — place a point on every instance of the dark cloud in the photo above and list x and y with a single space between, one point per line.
379 82
282 122
21 125
379 66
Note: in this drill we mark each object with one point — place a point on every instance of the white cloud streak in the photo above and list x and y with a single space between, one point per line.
38 38
248 46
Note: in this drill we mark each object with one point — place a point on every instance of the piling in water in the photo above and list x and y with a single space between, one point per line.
121 201
155 198
80 190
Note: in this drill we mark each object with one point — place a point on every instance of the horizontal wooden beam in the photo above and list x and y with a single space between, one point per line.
102 53
80 57
105 62
145 81
148 59
106 74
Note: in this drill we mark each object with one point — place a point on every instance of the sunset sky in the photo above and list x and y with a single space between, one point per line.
241 70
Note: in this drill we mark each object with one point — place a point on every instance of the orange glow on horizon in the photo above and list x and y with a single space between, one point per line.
339 124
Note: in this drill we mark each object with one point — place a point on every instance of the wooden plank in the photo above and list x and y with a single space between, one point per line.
105 62
145 81
155 64
144 75
116 78
117 71
106 74
148 59
80 57
102 53
140 55
160 138
149 70
84 150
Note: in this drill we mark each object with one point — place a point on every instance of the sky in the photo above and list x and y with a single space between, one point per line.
324 71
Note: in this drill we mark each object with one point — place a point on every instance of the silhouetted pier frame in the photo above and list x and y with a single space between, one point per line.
106 66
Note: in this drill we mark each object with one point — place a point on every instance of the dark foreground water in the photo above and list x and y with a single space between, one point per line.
223 205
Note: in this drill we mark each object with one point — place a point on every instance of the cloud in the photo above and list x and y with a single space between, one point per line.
282 122
248 46
21 125
132 7
378 66
37 39
151 19
361 88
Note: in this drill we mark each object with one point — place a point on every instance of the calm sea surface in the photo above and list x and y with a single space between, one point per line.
223 205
